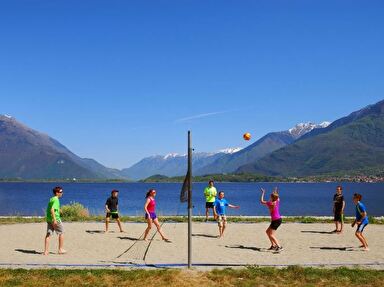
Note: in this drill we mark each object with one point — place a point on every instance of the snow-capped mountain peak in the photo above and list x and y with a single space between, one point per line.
6 116
230 150
303 128
324 124
171 155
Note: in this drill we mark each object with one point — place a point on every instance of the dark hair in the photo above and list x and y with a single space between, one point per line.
339 186
211 180
149 192
221 192
114 190
358 196
57 189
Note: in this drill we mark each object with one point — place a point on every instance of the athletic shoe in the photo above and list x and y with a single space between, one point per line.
278 248
272 247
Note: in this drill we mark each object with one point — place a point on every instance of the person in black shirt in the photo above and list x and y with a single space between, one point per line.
338 209
111 207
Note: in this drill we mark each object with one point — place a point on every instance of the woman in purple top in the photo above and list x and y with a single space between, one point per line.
150 214
273 204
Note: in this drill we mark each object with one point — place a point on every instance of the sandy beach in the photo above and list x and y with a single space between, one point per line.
88 246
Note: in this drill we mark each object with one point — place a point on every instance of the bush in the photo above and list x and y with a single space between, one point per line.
74 211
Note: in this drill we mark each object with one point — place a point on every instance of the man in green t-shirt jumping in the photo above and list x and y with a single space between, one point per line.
210 197
54 223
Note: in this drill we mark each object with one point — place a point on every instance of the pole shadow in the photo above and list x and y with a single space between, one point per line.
318 232
28 251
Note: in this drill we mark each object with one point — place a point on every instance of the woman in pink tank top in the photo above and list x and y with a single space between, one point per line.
273 205
150 214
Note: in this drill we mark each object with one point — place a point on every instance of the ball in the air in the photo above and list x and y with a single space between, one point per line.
247 136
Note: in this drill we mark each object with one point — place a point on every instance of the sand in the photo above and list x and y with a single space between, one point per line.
21 245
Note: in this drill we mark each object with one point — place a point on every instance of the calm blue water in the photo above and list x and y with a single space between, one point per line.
296 198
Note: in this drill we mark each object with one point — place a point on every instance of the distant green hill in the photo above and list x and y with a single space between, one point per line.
353 143
218 178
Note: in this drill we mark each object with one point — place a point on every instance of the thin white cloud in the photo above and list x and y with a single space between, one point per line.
199 116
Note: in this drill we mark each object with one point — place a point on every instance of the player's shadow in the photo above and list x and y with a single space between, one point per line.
318 232
128 238
95 231
28 251
247 247
204 235
332 248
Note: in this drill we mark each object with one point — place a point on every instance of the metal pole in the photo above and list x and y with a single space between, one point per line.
189 201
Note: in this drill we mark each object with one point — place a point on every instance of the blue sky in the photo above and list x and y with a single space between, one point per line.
121 80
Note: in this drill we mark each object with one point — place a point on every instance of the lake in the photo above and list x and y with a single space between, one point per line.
297 199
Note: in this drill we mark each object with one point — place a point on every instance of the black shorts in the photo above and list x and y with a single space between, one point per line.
209 204
275 224
114 215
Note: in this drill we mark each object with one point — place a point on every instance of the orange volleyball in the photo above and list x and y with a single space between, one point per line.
247 136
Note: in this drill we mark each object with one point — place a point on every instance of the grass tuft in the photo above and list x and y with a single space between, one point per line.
74 212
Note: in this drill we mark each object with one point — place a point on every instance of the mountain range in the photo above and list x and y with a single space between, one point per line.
172 164
229 163
352 143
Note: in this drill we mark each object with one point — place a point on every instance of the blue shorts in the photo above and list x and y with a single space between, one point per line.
152 215
361 227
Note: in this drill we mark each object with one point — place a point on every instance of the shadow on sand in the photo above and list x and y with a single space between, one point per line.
333 248
204 235
128 238
318 232
28 251
95 231
247 247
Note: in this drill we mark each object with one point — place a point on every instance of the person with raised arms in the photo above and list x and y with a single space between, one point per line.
273 205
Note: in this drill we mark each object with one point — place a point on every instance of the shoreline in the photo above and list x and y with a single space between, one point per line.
336 180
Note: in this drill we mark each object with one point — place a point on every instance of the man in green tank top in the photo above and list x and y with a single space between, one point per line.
54 223
210 197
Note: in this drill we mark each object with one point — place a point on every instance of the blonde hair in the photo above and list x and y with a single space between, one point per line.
275 195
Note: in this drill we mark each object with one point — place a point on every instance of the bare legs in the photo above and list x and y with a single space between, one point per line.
118 223
46 244
106 224
156 222
61 244
337 224
221 229
362 239
206 214
271 235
